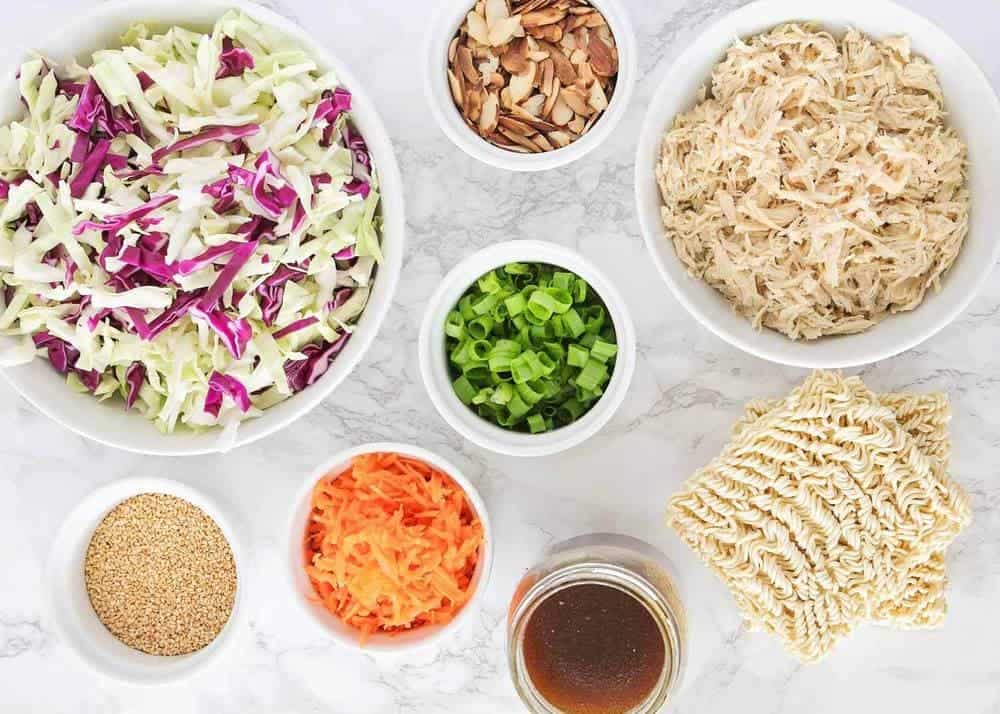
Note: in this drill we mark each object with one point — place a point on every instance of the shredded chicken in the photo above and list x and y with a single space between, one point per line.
816 185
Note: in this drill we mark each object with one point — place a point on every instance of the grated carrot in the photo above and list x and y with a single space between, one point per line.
392 544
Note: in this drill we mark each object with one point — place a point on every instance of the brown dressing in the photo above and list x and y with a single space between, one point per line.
593 649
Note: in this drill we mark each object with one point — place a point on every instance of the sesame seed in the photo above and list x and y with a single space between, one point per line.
161 575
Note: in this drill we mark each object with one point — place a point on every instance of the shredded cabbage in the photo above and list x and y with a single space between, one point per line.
189 224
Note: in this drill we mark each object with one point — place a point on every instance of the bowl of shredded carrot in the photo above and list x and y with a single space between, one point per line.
390 547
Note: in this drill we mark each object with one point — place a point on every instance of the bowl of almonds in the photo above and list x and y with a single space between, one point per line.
529 85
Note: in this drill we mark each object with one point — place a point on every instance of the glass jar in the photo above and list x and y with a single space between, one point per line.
619 561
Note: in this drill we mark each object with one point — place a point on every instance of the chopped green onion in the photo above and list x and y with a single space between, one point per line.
454 324
530 347
577 356
464 390
603 351
592 375
480 328
574 323
489 283
563 281
515 304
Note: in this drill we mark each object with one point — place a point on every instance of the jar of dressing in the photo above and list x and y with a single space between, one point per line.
596 628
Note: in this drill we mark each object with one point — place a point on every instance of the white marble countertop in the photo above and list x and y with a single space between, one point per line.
688 389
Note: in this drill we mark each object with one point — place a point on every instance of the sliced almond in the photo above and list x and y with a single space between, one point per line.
457 92
597 98
531 5
548 76
559 138
515 59
539 18
578 56
542 143
603 59
550 102
487 68
477 28
585 74
519 140
564 68
467 65
520 85
561 113
577 125
596 20
452 50
505 101
516 125
503 31
533 104
575 100
473 103
581 10
488 119
495 11
538 124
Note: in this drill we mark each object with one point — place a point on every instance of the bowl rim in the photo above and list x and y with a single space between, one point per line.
295 529
653 234
433 362
124 12
440 31
71 534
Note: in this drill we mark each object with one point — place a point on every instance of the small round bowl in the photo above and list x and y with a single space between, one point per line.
344 634
442 30
75 621
434 358
973 109
108 423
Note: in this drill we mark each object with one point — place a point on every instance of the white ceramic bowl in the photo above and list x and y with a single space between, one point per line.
973 110
434 358
74 618
342 633
442 29
108 423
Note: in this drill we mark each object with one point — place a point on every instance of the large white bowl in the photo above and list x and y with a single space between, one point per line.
108 423
339 631
434 357
69 604
441 31
973 110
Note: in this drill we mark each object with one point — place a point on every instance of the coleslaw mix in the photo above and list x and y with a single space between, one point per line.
189 223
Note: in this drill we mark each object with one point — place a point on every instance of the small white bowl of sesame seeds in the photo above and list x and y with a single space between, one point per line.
145 581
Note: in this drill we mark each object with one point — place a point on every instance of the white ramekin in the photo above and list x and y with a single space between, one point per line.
434 358
973 109
74 618
107 422
339 631
442 30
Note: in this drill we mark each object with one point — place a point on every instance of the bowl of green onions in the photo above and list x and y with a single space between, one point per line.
526 348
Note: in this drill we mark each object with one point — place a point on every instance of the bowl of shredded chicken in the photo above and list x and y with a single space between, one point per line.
809 195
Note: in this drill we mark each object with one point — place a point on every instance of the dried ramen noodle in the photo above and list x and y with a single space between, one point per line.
827 509
816 185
